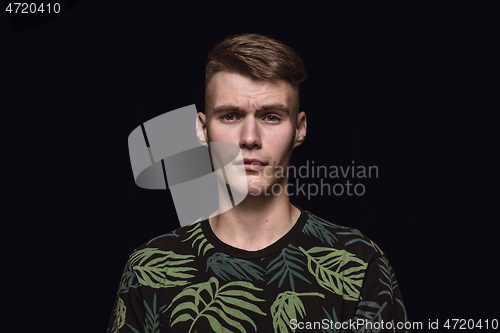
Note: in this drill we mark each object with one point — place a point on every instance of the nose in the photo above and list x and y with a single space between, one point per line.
250 137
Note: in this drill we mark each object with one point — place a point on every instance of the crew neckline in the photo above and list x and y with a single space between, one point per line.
281 243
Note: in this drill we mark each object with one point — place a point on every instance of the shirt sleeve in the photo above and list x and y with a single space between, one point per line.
380 305
128 311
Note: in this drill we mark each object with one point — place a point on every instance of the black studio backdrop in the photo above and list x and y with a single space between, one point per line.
380 92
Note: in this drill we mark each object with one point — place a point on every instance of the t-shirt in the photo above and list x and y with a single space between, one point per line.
319 277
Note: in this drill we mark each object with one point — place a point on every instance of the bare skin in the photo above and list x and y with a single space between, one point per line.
258 116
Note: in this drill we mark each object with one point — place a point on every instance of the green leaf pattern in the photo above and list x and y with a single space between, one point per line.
339 271
287 265
119 313
222 306
321 229
229 268
197 236
161 269
286 307
128 280
389 278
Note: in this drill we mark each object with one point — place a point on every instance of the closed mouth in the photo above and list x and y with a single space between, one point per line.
252 161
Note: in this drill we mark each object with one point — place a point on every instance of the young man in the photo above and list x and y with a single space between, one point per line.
264 265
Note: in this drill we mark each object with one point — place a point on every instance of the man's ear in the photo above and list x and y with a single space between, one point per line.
301 129
201 129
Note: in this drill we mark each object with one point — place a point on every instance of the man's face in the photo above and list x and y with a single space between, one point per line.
258 116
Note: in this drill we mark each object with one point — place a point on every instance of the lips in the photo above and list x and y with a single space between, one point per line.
253 161
252 164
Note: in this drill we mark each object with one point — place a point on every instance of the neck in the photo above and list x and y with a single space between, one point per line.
256 222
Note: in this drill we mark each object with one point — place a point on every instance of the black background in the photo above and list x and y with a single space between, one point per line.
381 91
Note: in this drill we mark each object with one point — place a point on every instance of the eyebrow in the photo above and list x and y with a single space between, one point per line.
235 108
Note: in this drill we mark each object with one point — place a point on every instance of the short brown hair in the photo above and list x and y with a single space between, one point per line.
257 56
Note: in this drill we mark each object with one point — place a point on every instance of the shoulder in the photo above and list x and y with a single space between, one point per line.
340 237
167 260
170 241
173 245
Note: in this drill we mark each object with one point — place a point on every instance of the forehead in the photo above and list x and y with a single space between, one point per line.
233 88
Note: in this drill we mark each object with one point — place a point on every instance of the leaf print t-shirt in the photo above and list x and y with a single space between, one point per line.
319 277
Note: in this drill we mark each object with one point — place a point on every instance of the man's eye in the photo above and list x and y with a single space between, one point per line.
272 119
228 117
